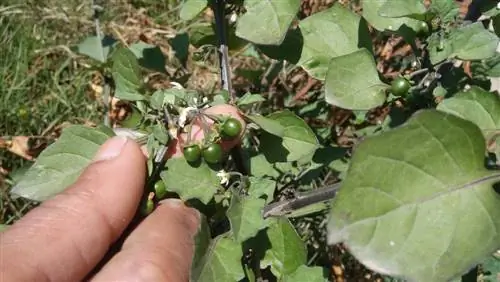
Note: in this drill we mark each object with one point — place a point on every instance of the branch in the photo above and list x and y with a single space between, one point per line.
309 198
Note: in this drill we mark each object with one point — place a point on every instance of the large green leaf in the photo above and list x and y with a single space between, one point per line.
190 182
192 8
477 105
469 42
298 139
61 163
473 42
331 33
371 14
245 217
222 262
267 22
289 50
399 9
417 202
352 82
446 10
305 273
127 75
287 252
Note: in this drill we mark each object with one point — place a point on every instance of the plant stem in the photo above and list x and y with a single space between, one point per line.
417 72
106 88
219 8
284 207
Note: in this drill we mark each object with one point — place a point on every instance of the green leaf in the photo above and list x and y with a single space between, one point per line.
180 46
439 48
190 182
399 9
245 217
191 9
161 134
331 33
290 49
371 14
3 227
201 242
288 252
60 164
149 56
422 200
277 16
202 34
489 67
491 268
267 124
95 48
260 167
476 105
262 188
297 141
127 75
469 42
352 82
222 262
249 99
473 42
447 10
173 96
305 273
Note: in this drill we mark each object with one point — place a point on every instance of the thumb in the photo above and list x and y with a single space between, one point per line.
66 236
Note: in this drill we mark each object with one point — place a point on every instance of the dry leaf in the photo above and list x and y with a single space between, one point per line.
18 145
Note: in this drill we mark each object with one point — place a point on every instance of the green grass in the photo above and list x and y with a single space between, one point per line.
42 82
42 85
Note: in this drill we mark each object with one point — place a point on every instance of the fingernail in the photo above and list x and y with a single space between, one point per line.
111 149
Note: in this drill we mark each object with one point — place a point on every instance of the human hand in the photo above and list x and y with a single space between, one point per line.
67 236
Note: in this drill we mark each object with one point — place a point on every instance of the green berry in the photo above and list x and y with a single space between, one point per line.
213 153
400 86
192 153
231 128
160 189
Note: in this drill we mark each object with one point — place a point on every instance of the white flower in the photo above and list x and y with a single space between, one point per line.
224 177
233 18
184 114
176 85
